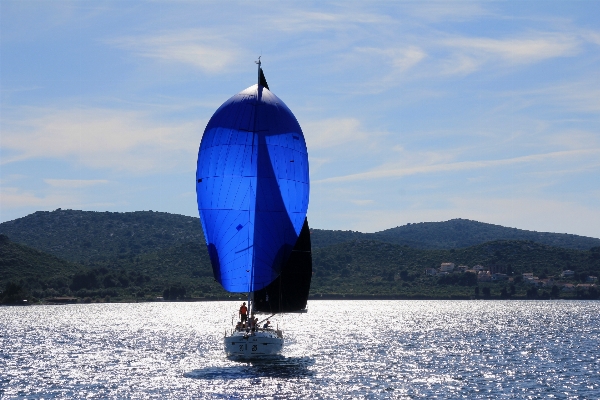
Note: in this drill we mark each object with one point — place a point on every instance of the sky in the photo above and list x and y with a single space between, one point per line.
412 111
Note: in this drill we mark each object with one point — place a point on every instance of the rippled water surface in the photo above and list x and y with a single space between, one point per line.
339 349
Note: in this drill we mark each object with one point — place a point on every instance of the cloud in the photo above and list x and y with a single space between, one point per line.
400 59
576 96
13 200
299 21
457 166
592 36
13 197
333 132
526 50
74 183
202 49
362 202
446 11
101 138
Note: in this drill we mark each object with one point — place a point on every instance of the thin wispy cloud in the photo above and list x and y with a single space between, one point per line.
458 166
101 138
446 11
520 50
393 64
15 197
333 132
199 48
575 96
75 183
298 20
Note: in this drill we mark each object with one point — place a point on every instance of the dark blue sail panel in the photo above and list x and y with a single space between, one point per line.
252 188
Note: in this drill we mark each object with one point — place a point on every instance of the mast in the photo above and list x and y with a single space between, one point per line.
250 293
259 64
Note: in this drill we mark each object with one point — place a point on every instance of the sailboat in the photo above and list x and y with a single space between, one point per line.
252 187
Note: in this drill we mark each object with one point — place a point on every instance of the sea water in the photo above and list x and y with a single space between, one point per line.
339 349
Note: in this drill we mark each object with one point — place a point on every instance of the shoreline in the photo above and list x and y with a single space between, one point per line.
312 298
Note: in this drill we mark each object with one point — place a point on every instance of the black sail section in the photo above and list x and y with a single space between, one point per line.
289 292
262 81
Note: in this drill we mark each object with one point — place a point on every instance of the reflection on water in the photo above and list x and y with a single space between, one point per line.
340 349
266 367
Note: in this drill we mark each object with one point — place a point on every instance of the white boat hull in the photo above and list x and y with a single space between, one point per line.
256 344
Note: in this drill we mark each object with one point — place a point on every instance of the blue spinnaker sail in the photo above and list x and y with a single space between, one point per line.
252 188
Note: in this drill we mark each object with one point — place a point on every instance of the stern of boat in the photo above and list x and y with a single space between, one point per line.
254 344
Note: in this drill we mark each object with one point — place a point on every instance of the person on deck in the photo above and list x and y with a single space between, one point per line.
267 325
243 312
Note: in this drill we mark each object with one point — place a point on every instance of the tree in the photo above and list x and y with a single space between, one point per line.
84 280
13 294
174 292
487 292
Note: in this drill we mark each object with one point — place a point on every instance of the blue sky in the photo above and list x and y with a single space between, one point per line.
412 111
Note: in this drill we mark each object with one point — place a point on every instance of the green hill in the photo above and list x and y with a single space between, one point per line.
91 238
144 255
357 268
458 233
95 238
33 270
18 261
40 275
371 267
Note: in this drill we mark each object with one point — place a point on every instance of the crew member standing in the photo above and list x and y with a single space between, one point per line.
243 312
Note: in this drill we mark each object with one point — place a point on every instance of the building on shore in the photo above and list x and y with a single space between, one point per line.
447 267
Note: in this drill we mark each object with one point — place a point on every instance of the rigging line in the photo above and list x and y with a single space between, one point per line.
272 315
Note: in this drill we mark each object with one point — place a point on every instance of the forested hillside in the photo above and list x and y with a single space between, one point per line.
458 233
358 268
89 237
144 255
371 267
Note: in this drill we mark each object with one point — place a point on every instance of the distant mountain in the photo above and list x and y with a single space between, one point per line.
96 238
89 237
458 233
172 265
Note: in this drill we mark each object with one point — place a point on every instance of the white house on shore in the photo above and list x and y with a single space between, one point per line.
447 267
567 273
